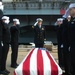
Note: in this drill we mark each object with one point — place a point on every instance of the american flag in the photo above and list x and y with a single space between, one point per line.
38 62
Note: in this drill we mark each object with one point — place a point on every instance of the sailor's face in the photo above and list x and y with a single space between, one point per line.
69 18
72 11
3 20
14 23
59 22
40 23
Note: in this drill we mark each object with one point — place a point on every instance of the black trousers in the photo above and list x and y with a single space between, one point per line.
60 56
0 54
5 50
39 45
67 60
14 55
72 50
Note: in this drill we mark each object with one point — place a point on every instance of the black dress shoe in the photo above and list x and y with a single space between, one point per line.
7 71
17 64
3 72
66 74
63 74
14 65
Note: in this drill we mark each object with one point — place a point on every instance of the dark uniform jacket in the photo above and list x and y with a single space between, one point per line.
65 32
1 15
6 33
59 34
39 34
71 31
14 30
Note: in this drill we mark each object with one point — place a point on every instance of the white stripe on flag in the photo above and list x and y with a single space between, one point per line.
19 69
59 69
47 65
33 63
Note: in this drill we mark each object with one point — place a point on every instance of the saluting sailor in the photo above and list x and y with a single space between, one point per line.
6 41
71 34
39 31
14 30
1 33
59 40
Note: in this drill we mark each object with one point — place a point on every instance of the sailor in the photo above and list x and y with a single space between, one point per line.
59 40
14 30
70 30
6 41
39 31
1 31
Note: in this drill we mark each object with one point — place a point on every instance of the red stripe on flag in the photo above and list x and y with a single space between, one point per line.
40 66
54 68
14 73
26 64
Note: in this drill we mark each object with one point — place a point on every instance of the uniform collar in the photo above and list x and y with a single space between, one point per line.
40 26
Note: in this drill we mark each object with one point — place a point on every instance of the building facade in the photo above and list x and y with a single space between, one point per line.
29 10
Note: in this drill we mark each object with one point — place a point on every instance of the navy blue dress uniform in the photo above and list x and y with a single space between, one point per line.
58 28
5 41
14 43
39 34
1 31
71 34
66 50
1 14
70 29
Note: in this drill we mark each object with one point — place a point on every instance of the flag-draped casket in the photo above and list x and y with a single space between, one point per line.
38 62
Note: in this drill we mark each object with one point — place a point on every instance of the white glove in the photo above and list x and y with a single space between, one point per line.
7 21
69 48
62 46
2 43
2 7
35 23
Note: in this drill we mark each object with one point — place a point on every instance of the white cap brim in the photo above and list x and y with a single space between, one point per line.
5 18
17 21
60 19
39 19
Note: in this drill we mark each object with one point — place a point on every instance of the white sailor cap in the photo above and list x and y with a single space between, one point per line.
1 6
39 19
60 19
72 5
5 18
17 21
0 3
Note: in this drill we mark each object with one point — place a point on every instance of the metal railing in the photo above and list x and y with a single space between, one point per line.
42 0
36 5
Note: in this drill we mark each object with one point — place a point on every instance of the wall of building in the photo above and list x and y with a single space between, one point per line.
28 12
7 0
